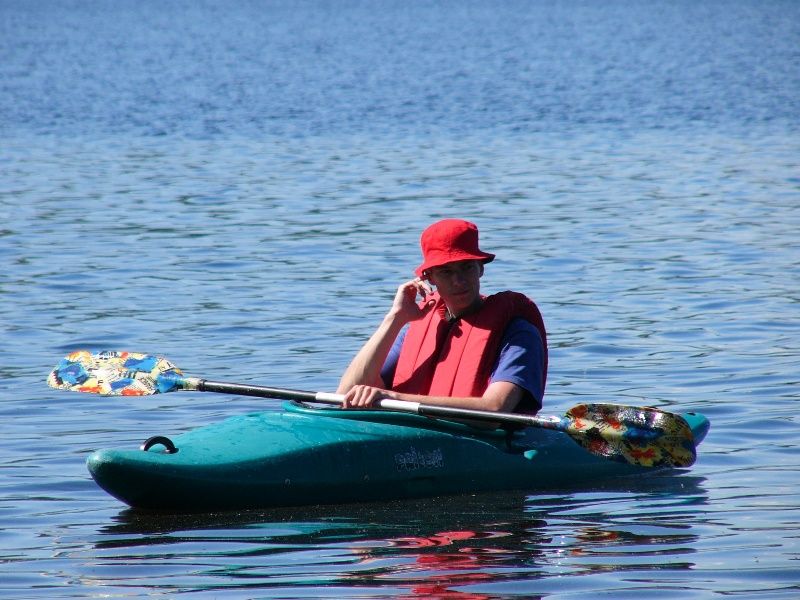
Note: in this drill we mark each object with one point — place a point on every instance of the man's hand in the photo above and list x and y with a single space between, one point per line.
405 304
363 396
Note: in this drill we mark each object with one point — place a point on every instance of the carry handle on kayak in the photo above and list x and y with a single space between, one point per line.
642 436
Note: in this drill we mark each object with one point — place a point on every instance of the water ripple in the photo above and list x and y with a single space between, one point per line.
241 189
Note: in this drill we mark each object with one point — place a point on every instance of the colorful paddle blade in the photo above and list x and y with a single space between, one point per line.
115 374
640 436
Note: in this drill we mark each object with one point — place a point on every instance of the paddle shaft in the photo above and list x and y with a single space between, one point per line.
640 436
204 385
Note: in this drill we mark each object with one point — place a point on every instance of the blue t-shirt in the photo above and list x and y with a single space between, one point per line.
521 361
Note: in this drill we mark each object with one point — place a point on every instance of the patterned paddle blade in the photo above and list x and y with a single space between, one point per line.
641 436
114 373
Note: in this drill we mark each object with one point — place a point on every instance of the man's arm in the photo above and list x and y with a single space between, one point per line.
365 368
500 396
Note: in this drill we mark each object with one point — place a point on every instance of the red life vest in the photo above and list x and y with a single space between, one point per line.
440 358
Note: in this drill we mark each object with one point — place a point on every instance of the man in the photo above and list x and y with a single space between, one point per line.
461 349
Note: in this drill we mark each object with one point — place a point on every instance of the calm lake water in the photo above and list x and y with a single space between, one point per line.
240 186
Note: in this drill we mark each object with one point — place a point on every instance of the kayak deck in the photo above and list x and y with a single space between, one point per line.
304 455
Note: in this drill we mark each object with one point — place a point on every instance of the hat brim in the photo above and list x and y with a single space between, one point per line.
451 257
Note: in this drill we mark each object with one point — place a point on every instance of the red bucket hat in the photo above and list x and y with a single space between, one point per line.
449 241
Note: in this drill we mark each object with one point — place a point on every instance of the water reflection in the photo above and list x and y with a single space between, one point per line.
454 547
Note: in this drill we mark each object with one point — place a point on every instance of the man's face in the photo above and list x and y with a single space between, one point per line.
458 283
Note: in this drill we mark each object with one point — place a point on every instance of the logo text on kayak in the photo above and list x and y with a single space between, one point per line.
414 459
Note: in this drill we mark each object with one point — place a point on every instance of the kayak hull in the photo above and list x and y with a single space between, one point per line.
305 455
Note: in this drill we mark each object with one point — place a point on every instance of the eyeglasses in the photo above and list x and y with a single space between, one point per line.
464 268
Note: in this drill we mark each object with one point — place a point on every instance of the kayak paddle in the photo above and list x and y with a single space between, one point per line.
646 437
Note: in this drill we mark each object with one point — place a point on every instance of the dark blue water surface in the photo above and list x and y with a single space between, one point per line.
386 68
240 186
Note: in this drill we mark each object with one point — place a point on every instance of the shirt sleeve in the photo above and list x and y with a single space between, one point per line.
521 361
390 364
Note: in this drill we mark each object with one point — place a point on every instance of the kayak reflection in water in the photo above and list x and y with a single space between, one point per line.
460 349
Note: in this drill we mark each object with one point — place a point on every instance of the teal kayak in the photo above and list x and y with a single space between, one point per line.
304 455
